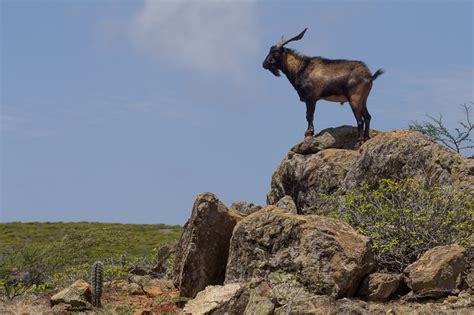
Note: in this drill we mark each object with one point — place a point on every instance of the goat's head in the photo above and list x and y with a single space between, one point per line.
273 61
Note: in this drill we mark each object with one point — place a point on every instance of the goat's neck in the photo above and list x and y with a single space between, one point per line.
291 65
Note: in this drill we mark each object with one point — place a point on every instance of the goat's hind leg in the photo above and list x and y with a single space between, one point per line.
357 110
367 117
310 107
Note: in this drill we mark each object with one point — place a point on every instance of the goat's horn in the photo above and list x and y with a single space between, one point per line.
283 42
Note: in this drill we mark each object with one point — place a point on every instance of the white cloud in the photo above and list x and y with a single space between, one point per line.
211 37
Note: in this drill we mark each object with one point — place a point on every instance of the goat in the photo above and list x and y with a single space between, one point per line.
318 78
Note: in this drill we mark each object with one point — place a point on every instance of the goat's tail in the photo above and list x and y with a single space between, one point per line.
376 74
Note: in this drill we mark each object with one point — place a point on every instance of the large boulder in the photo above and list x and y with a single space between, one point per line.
438 272
331 160
327 255
202 251
409 154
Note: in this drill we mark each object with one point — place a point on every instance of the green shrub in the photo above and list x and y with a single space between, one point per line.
404 219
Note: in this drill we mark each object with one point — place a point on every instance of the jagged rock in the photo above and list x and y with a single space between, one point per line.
244 207
287 203
303 177
78 295
379 286
261 300
202 251
438 272
227 299
328 255
318 165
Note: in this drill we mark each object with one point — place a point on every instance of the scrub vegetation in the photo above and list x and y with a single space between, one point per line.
41 257
405 219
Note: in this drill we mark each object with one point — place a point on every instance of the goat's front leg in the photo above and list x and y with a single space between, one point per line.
310 107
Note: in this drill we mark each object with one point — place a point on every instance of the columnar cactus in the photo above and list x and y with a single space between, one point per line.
97 280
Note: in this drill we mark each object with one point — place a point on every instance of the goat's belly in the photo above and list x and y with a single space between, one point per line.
335 98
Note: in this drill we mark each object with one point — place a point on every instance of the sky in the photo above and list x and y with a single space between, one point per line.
125 111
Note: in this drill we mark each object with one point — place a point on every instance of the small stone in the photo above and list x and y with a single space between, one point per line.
451 299
134 289
61 308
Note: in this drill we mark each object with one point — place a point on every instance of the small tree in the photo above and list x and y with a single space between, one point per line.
435 129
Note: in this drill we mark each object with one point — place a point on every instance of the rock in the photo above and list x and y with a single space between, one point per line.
245 208
134 289
409 154
343 137
470 279
327 255
202 251
328 162
287 203
78 295
157 287
261 301
228 299
380 286
140 280
323 304
438 272
61 308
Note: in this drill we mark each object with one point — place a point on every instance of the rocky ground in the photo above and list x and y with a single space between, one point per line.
287 258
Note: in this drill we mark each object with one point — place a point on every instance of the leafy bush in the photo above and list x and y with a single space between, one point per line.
404 219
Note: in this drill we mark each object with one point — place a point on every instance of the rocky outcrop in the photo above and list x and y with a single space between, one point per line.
202 251
78 296
328 256
244 207
438 272
380 286
331 160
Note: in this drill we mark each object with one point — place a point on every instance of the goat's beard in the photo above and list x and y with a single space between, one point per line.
275 71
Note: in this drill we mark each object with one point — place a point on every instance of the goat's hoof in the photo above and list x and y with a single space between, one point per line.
309 133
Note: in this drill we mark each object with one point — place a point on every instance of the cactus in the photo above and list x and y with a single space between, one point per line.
97 281
123 260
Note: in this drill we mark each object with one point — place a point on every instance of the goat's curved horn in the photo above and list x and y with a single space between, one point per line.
283 42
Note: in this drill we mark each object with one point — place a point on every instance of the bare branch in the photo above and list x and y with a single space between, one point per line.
457 140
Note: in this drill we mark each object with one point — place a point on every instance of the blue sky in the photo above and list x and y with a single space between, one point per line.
124 111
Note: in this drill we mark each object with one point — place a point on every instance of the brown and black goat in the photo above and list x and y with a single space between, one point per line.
317 78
